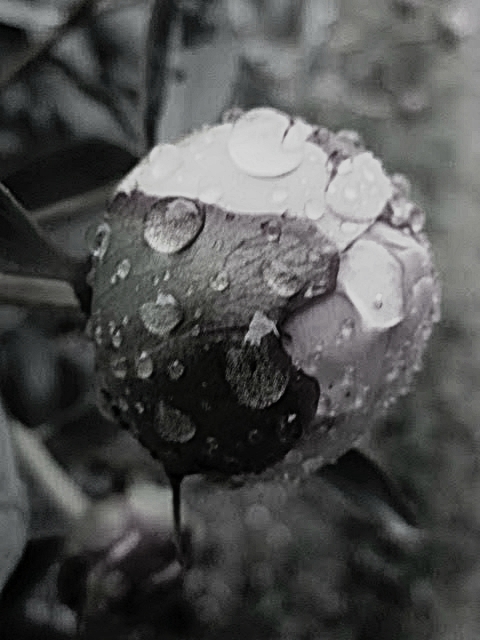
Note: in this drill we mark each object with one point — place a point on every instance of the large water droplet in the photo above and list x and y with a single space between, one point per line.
170 227
101 241
265 144
122 270
173 425
162 316
175 370
144 365
220 282
119 367
254 377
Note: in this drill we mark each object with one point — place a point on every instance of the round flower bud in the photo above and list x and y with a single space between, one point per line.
261 290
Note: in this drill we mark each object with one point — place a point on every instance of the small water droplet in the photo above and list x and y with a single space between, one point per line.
164 159
119 367
254 436
314 208
117 338
97 334
125 320
101 241
173 425
172 226
139 407
378 302
162 316
279 195
416 219
144 365
349 227
211 194
175 370
123 404
220 282
346 328
121 271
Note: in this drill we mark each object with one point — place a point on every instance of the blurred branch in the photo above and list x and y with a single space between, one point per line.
25 61
55 482
76 205
36 292
103 96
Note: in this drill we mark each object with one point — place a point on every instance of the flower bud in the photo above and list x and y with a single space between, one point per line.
261 287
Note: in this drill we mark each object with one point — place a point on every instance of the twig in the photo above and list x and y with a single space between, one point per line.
56 483
24 61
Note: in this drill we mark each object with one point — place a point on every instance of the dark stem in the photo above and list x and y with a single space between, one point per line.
176 483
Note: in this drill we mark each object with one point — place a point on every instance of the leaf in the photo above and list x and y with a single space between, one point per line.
203 62
13 506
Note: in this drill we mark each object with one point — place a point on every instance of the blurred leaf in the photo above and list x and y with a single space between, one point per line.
13 507
202 71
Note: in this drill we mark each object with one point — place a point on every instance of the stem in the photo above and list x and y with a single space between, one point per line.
57 484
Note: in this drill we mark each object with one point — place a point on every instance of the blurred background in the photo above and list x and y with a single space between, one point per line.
86 87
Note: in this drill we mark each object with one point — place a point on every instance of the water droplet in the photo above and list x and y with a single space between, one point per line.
123 404
280 278
164 159
97 334
264 144
220 282
139 407
162 316
378 302
172 226
211 195
175 370
272 230
254 377
116 337
314 208
279 195
122 270
173 425
119 367
346 328
101 241
416 219
144 365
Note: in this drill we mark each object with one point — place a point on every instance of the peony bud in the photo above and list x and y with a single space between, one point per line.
262 290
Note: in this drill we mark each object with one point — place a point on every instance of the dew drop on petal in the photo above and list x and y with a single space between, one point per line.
281 279
175 370
261 146
144 365
173 425
117 338
170 227
314 208
121 271
162 316
97 334
164 160
118 366
139 407
220 282
101 241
